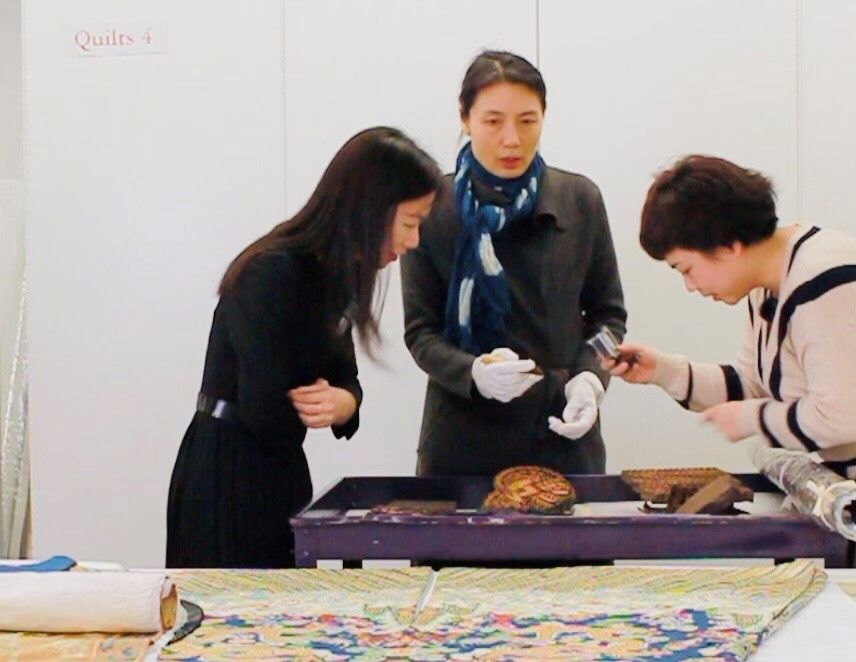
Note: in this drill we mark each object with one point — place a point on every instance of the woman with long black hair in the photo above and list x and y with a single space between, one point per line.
280 354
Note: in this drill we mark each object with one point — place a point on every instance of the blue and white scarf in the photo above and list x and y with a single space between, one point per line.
478 301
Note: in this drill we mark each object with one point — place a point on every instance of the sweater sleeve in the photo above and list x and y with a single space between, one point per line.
697 386
823 336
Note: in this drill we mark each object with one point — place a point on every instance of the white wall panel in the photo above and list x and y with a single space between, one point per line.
11 186
11 94
351 65
828 114
631 86
146 174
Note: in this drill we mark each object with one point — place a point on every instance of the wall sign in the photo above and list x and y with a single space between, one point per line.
110 39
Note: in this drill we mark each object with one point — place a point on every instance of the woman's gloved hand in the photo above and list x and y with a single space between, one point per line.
502 375
584 393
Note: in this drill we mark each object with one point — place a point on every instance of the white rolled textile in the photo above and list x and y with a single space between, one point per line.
814 489
131 602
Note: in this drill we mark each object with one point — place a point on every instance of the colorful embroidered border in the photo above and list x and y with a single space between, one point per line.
600 613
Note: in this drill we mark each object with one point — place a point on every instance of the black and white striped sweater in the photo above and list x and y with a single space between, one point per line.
798 355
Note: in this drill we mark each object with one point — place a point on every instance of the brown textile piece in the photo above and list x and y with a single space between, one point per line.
656 485
420 507
678 495
718 496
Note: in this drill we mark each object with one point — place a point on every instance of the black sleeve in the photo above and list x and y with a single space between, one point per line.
346 377
424 296
264 310
601 298
424 293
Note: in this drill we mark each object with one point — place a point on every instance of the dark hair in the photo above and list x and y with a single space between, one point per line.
702 203
492 67
346 220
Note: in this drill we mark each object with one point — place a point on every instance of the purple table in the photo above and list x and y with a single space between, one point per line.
325 530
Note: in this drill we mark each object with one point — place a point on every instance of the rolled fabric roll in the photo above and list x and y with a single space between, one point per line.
814 489
132 602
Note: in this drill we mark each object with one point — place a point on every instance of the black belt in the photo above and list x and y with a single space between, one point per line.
222 409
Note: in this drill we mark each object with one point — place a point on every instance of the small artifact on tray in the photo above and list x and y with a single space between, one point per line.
717 497
678 495
656 485
531 489
497 500
416 507
699 490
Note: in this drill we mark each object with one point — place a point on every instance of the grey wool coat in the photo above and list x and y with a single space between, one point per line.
563 284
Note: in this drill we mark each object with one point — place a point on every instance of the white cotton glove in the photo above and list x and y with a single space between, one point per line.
584 393
501 375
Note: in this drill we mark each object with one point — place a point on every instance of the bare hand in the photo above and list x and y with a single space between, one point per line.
638 371
735 420
320 405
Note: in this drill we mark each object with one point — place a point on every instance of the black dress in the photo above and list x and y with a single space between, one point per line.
236 483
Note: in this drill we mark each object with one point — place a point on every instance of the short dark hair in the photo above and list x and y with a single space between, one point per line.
702 203
490 67
347 218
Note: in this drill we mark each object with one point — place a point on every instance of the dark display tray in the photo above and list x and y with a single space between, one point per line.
326 529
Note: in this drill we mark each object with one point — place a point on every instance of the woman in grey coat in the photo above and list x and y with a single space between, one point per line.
514 271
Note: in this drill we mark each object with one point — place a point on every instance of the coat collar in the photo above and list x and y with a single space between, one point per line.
549 198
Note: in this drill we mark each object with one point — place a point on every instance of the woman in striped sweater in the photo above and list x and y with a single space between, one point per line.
794 381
